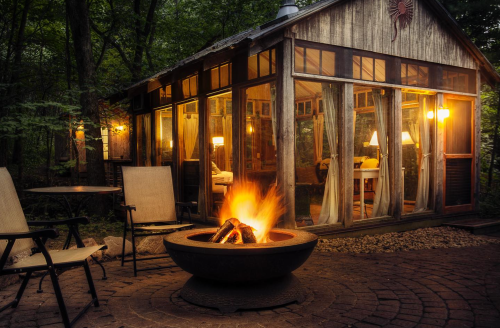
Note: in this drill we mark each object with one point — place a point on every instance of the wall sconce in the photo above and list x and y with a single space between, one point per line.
430 115
118 129
171 144
443 113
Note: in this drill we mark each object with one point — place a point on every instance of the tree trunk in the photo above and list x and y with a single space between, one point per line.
78 15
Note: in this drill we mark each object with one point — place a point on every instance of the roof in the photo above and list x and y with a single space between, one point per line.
271 27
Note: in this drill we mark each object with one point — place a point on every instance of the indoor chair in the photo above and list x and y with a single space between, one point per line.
16 239
151 209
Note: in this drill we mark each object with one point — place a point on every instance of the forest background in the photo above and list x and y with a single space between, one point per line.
59 58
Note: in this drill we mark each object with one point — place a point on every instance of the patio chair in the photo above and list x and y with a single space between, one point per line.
16 238
151 209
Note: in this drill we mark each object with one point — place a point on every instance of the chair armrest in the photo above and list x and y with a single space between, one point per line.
128 207
50 223
42 233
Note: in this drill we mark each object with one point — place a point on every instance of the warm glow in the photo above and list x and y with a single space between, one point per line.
171 143
246 203
120 128
430 115
443 113
407 140
218 141
374 139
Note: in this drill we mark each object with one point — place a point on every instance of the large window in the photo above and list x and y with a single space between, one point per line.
262 64
260 142
220 76
161 96
314 61
368 68
164 139
190 87
414 75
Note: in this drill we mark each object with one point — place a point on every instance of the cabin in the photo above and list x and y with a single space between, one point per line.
364 113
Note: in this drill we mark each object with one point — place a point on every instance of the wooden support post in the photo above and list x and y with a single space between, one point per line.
346 153
238 138
395 152
176 160
204 189
439 164
285 100
477 143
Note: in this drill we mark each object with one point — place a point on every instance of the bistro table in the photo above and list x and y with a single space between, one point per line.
60 194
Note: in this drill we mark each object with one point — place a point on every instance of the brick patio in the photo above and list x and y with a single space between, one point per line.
427 288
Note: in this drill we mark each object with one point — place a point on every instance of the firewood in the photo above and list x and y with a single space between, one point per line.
226 228
233 238
247 234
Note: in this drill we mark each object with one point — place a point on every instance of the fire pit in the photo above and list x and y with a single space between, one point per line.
241 276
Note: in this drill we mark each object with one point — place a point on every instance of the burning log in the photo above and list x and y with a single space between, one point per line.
226 228
247 234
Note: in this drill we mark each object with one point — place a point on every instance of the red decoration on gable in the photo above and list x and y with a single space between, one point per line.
402 10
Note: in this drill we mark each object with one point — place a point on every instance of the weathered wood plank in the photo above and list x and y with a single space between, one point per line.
285 101
366 25
439 163
346 153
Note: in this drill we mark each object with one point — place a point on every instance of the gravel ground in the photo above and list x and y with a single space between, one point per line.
426 238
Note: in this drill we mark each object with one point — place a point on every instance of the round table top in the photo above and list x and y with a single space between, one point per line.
75 190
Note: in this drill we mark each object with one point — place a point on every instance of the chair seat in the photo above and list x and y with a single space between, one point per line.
59 257
164 227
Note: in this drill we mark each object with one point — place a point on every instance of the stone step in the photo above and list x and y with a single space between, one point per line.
476 226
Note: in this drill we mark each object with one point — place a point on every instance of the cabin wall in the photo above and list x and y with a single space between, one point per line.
366 25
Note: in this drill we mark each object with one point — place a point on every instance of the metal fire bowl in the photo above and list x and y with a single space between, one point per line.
229 263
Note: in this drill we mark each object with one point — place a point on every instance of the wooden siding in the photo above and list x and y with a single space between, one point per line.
366 25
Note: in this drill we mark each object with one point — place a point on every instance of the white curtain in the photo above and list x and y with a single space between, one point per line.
227 133
382 196
273 115
318 124
330 208
423 179
190 133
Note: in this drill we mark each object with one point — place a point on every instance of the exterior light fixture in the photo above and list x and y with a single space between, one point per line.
443 113
430 115
171 144
119 128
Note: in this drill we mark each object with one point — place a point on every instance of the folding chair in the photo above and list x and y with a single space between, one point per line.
149 193
15 238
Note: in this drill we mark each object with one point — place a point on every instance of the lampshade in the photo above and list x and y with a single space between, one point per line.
218 141
406 138
374 139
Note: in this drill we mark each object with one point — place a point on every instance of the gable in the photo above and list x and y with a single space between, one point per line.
367 25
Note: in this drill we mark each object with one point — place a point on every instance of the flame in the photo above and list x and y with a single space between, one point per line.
246 203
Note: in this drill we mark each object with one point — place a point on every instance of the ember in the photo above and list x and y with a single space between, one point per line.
248 216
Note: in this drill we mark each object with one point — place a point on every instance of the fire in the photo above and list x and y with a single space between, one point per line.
246 203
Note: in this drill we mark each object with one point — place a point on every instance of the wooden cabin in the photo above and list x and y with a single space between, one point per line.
363 119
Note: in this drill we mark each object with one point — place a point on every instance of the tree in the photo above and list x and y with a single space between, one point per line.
78 16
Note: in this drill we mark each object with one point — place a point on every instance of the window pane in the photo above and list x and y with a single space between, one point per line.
168 93
299 59
462 83
249 108
164 142
423 76
356 69
214 78
367 72
458 181
273 61
458 127
312 61
412 74
252 67
185 88
301 109
264 63
230 73
361 99
308 108
224 76
404 79
193 85
379 70
328 63
369 98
